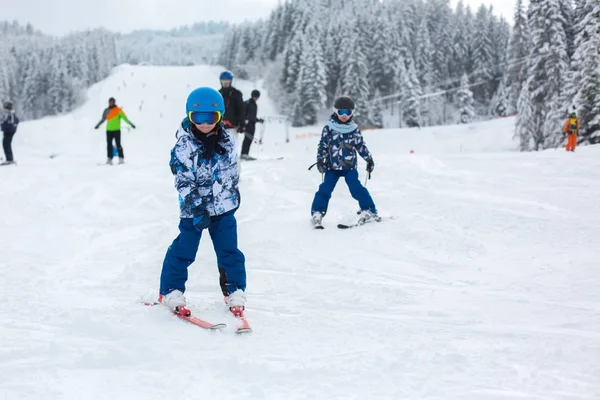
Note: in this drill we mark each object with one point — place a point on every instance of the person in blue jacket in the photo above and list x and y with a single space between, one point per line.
204 163
341 139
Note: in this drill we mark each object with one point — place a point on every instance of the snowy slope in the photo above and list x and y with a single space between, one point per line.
484 286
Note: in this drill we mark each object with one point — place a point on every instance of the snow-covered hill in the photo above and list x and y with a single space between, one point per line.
484 285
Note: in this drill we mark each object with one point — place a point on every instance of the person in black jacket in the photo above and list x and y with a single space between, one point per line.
9 125
251 110
234 103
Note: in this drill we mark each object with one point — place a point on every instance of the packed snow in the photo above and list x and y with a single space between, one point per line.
483 285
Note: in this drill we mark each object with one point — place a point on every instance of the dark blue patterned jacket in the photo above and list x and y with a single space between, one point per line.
339 144
211 185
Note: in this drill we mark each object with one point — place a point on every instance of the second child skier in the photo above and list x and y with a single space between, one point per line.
341 139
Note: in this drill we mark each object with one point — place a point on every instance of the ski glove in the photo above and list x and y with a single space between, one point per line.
260 120
202 220
321 166
370 165
240 129
133 126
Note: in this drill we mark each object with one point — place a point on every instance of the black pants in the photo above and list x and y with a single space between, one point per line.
248 137
6 144
116 135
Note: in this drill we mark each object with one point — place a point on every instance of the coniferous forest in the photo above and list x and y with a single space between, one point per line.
406 62
430 63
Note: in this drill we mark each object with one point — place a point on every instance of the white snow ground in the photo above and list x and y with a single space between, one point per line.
484 287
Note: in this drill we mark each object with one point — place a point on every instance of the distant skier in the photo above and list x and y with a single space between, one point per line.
341 139
234 103
10 122
571 128
204 162
465 117
113 115
251 109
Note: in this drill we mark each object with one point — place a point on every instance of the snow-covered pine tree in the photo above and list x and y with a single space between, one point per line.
225 57
587 56
579 14
59 90
483 56
568 17
429 106
386 51
424 53
332 61
273 35
310 92
412 96
469 29
439 26
527 119
548 73
375 111
499 104
460 41
464 100
413 14
355 73
518 51
291 63
500 35
245 49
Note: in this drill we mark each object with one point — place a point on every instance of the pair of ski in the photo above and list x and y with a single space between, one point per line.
263 159
350 226
340 226
243 325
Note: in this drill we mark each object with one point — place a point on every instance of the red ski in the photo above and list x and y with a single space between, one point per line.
238 313
194 320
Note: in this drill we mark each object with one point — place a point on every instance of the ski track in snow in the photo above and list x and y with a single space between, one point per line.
484 286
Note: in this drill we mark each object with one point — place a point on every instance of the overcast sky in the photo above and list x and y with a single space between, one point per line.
58 17
506 8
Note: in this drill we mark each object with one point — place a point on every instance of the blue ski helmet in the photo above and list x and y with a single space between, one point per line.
226 75
205 99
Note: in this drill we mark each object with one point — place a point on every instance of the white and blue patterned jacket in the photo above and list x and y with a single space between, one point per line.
211 185
339 144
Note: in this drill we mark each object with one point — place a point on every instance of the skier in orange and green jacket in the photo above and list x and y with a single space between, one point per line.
571 128
113 115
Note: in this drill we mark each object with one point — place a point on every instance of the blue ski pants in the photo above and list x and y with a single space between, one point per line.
357 190
182 253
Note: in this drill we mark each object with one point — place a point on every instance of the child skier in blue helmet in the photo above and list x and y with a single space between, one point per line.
204 163
336 158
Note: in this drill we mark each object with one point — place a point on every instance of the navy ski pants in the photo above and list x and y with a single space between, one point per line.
182 253
357 190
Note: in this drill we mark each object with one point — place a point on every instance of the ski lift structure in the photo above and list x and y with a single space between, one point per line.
275 121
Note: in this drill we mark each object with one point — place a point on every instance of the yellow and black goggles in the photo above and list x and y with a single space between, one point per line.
203 117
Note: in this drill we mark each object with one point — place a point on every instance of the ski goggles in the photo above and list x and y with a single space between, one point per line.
344 111
208 118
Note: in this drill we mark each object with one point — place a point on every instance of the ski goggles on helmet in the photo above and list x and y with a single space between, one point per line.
209 118
344 111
